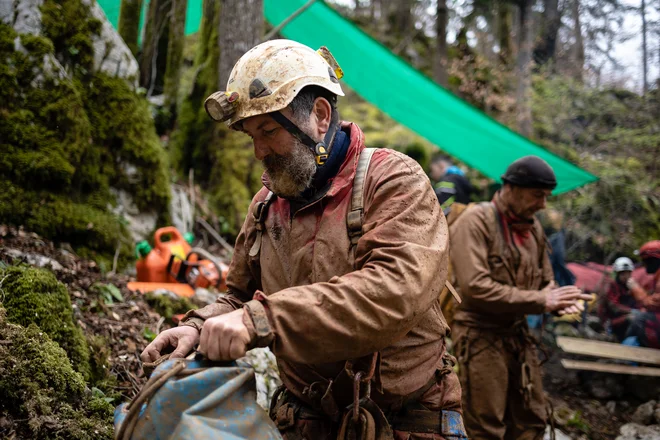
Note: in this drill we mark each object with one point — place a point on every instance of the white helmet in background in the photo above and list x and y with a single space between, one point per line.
622 264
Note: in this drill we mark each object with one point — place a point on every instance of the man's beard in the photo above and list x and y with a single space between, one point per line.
291 174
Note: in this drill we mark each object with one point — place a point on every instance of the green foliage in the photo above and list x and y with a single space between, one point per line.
614 134
109 293
41 396
34 296
420 154
576 421
148 334
71 139
167 306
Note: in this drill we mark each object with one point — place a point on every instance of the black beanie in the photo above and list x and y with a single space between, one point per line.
530 172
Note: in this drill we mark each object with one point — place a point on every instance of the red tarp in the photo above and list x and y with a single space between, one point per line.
594 278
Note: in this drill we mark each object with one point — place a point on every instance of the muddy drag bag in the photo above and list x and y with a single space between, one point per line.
196 399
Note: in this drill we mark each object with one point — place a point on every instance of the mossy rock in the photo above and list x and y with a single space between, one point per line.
69 142
41 396
99 363
34 296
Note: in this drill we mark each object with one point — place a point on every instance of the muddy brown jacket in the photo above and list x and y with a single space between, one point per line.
499 281
317 304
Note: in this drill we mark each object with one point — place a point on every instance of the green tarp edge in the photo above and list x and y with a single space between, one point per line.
402 92
412 99
193 14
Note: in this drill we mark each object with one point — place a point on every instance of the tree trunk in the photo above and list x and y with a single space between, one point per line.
399 18
241 28
357 9
154 47
546 47
645 69
440 58
175 52
129 23
504 31
523 69
578 46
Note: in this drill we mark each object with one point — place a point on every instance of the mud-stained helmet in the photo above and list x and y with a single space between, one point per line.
267 78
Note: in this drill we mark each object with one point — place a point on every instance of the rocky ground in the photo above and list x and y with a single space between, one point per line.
120 321
589 405
586 406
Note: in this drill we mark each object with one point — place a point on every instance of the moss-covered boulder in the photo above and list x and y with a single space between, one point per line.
34 296
73 137
41 396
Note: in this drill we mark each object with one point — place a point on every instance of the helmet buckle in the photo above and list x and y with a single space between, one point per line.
321 153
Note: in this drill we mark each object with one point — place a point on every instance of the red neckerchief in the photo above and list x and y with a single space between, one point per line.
520 228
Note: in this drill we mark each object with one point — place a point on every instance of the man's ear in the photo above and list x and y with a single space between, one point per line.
322 112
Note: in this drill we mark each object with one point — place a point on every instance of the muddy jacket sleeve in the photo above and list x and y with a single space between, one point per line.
469 249
402 266
238 280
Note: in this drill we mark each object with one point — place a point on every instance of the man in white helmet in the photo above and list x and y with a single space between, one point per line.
337 268
623 305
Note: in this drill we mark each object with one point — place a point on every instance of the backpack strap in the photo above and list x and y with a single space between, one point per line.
356 213
260 213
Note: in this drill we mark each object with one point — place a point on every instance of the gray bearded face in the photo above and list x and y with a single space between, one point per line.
291 174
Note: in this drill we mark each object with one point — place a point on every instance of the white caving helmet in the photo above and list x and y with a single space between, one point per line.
622 264
268 77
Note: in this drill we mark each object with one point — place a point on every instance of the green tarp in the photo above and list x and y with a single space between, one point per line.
405 94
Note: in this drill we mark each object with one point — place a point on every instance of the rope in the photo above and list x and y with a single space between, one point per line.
126 429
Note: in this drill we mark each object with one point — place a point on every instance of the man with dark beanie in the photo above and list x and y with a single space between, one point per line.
499 254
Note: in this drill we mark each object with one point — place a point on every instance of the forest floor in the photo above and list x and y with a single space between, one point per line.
129 325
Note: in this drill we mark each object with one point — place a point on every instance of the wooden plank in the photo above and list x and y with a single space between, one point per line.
609 350
610 368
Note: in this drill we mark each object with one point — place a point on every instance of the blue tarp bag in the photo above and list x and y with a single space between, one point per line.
196 399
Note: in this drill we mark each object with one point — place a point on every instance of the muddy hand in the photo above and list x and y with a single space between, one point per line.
225 337
564 297
577 308
183 339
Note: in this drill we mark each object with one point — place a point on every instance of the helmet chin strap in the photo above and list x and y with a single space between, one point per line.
321 149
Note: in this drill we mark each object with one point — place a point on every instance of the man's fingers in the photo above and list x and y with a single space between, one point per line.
566 311
573 309
237 348
214 346
564 304
203 341
224 345
153 350
183 347
573 296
